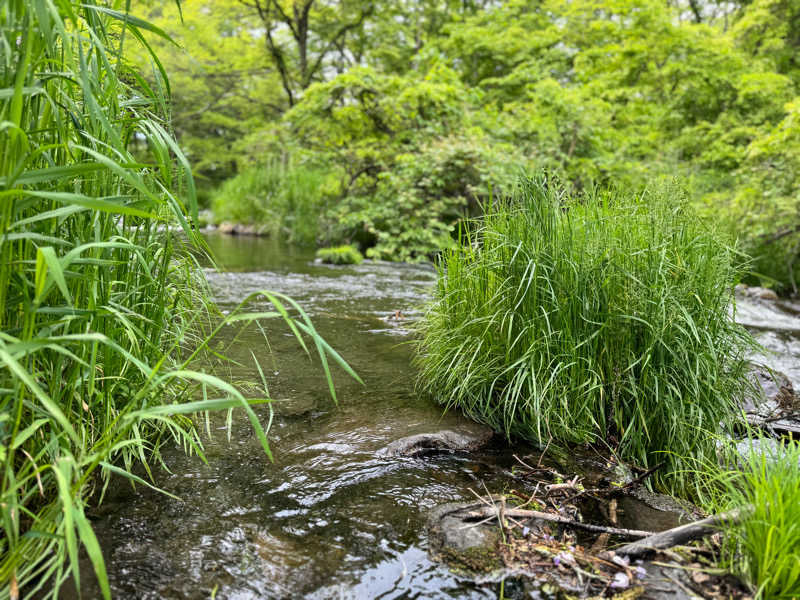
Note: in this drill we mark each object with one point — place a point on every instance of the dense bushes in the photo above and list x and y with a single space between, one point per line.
613 92
599 318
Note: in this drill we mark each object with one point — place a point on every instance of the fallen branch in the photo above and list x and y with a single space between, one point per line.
488 511
683 534
560 487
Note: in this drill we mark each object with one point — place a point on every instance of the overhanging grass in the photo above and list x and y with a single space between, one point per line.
102 313
602 318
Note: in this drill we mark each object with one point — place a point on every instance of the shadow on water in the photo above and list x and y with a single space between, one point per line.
329 518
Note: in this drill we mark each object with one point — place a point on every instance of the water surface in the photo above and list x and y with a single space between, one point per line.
330 518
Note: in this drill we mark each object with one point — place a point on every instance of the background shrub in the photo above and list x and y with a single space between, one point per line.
286 199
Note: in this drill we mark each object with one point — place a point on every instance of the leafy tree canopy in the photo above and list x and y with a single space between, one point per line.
419 107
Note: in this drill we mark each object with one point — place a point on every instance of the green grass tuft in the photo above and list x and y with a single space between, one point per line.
763 549
603 318
286 200
340 255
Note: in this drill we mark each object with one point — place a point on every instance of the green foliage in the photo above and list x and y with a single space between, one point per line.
408 212
102 311
770 29
763 548
409 172
285 200
224 86
340 255
601 318
614 92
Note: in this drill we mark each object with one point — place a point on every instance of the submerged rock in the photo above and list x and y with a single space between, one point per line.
464 440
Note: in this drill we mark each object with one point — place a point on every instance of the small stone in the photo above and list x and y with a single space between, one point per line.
229 228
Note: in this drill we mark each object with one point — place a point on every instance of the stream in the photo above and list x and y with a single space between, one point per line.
330 517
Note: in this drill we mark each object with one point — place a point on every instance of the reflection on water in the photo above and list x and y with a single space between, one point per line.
330 518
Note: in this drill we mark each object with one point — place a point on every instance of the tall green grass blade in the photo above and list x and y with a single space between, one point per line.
93 379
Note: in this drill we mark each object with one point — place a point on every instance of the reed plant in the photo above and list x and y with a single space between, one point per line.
102 312
602 318
762 547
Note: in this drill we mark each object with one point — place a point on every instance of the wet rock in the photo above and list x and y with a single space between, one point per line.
755 292
464 440
229 228
466 547
772 404
773 393
246 230
656 511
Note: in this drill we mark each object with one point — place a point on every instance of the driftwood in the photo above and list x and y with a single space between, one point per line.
490 511
682 534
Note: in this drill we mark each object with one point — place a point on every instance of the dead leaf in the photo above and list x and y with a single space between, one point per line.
699 577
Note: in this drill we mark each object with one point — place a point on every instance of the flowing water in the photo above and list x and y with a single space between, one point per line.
331 517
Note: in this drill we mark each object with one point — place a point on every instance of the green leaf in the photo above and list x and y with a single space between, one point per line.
53 270
131 20
109 204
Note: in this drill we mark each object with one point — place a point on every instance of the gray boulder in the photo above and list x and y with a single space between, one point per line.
465 440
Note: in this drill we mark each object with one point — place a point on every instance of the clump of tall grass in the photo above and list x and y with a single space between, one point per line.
763 546
603 318
287 199
340 255
101 312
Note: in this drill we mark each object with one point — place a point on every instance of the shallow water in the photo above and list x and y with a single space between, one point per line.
776 326
330 518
